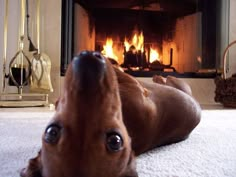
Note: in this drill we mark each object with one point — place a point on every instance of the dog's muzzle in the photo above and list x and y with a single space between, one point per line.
89 69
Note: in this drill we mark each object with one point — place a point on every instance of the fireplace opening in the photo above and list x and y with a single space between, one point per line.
168 37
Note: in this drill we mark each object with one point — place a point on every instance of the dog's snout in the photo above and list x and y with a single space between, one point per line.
88 59
98 56
89 68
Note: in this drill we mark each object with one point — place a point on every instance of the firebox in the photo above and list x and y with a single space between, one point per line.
184 38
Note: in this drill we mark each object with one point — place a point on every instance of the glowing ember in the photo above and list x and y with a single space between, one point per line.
154 55
137 42
108 49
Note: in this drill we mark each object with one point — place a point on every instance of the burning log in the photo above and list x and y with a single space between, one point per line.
134 58
157 65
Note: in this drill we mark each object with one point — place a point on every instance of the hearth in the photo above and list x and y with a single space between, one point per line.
166 37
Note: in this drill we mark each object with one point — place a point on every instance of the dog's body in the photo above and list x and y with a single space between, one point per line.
99 110
160 114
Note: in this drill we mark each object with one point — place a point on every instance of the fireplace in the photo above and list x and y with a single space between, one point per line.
166 37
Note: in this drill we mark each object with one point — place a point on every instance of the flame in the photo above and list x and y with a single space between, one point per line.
127 44
154 55
137 42
108 49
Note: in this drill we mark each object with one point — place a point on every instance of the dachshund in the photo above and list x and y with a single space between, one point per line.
105 117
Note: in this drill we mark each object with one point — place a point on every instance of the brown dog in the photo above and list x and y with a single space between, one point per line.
100 111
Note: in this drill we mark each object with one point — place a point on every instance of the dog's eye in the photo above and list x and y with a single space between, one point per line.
52 134
114 142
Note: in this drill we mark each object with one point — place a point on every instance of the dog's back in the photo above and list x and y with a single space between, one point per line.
157 114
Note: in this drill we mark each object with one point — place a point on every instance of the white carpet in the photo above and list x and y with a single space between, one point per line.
210 151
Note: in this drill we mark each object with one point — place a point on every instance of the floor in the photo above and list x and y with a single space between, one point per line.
209 151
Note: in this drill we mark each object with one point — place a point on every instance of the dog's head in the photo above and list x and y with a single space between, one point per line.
87 136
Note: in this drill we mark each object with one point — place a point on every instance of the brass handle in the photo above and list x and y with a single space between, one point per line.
5 46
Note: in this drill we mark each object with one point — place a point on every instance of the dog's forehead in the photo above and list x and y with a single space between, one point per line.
83 135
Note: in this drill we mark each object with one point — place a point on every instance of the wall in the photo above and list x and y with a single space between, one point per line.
52 40
203 90
84 31
50 36
186 44
51 27
232 37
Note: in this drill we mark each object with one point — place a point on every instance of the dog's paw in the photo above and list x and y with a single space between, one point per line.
159 79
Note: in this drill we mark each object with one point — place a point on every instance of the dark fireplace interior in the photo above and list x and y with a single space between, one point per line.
168 37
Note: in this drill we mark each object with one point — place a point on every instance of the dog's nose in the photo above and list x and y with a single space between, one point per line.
89 68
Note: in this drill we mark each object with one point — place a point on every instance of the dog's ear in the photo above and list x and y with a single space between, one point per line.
130 170
33 169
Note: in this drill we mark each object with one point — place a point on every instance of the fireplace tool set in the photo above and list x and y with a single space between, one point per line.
23 71
225 91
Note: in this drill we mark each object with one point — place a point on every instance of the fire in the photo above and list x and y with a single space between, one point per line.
137 42
108 49
154 55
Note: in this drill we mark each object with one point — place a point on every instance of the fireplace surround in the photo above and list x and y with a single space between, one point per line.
188 33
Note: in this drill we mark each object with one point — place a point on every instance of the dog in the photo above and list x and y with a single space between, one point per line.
105 117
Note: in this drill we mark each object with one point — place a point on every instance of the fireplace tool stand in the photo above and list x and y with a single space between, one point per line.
19 75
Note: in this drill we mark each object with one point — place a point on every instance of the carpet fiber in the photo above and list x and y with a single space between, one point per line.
210 151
